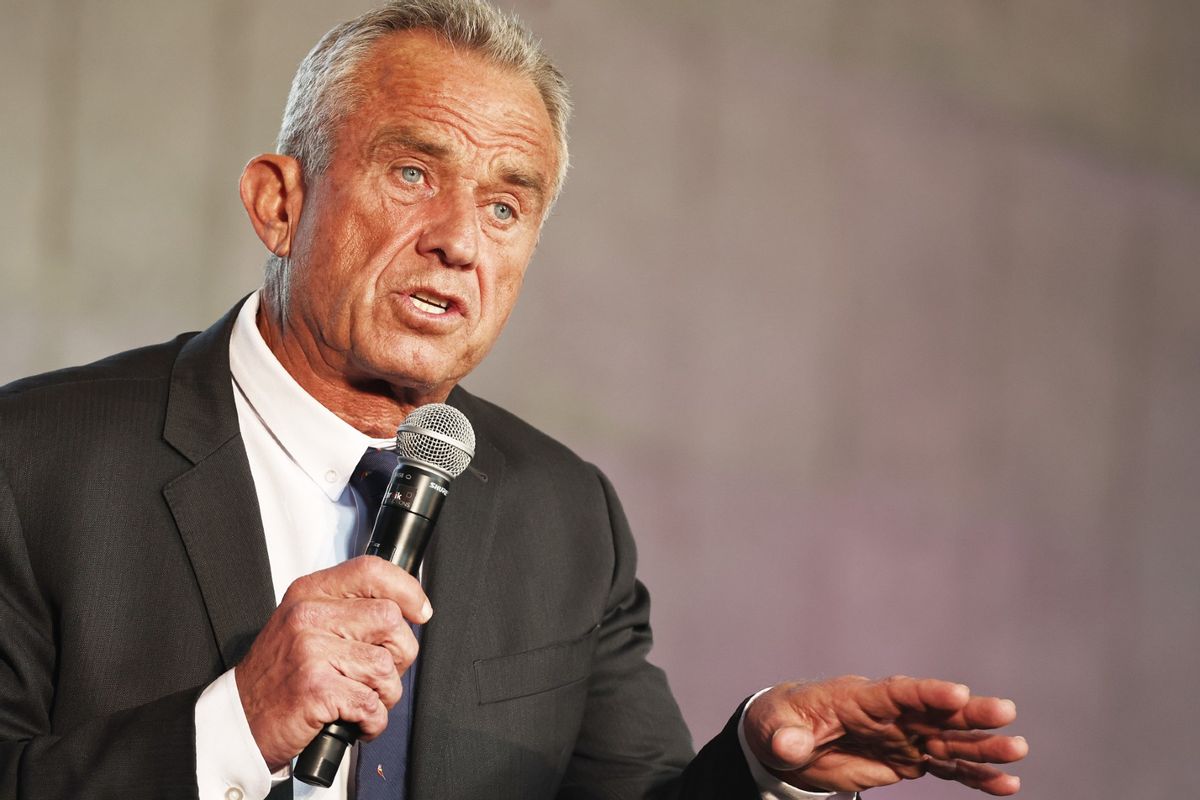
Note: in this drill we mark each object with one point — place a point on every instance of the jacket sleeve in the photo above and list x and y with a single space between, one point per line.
633 742
146 751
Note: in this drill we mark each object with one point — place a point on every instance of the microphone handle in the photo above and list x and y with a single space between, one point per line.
400 536
407 536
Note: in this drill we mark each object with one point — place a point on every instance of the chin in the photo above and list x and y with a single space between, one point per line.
418 377
417 365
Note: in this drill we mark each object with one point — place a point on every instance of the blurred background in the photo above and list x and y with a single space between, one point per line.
882 316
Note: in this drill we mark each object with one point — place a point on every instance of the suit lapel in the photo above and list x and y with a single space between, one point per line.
214 503
216 509
459 550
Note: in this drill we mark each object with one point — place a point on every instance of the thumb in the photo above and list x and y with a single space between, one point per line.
791 748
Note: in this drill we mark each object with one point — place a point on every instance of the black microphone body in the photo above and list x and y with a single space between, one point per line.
407 515
402 530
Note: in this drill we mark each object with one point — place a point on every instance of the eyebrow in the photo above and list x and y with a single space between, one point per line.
533 182
407 139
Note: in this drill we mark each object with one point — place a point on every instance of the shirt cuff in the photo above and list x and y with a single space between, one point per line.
770 787
229 765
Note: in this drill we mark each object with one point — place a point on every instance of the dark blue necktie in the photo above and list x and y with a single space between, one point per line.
383 763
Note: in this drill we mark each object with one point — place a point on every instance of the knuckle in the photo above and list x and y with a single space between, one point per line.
408 647
375 721
364 700
370 567
379 662
304 669
311 650
296 589
389 690
395 690
845 684
312 679
301 615
350 573
388 614
411 654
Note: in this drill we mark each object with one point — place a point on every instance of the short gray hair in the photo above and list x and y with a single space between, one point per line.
324 90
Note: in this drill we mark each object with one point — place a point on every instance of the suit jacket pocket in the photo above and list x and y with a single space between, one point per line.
535 671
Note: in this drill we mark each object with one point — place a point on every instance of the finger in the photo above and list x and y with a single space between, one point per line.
888 699
379 622
929 705
926 694
978 713
370 576
977 776
373 621
367 576
370 665
323 664
976 746
837 770
351 701
988 712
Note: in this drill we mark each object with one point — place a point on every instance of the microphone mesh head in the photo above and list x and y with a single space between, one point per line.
438 435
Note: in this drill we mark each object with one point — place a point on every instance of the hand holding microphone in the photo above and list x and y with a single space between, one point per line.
338 643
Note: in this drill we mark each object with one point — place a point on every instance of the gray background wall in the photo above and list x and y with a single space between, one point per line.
922 275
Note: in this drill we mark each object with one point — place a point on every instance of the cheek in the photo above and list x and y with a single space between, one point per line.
510 275
504 294
509 284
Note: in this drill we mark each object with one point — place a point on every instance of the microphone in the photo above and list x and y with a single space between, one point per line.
435 444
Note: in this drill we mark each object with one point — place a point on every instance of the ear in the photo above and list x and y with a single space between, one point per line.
272 189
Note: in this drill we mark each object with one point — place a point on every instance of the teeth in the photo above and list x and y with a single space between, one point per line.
430 305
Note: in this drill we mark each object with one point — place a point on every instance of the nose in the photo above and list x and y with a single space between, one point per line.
451 232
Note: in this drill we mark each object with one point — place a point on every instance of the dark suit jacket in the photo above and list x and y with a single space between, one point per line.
133 571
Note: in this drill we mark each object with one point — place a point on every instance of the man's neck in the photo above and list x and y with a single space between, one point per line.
374 407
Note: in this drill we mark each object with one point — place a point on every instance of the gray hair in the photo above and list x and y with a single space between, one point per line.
324 90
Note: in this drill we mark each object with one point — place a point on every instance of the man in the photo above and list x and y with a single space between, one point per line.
179 617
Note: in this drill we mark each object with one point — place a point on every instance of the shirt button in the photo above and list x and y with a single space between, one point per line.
234 793
331 477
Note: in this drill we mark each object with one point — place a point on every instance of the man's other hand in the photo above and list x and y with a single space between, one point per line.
335 648
851 733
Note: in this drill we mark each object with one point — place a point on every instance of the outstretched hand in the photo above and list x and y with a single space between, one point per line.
851 733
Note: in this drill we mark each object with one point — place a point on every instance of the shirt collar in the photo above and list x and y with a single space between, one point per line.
322 444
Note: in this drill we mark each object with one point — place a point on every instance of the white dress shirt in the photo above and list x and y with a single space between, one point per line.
301 457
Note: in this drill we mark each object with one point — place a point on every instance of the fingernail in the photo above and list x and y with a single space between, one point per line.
426 612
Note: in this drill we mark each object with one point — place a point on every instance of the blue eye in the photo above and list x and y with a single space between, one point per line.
411 174
503 211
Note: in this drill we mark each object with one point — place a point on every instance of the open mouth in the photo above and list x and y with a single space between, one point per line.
430 304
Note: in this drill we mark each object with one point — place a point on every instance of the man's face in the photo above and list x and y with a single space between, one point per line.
411 247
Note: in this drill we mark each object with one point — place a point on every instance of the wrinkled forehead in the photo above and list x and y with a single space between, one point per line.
414 80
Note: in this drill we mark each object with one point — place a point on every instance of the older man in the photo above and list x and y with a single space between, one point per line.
179 614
